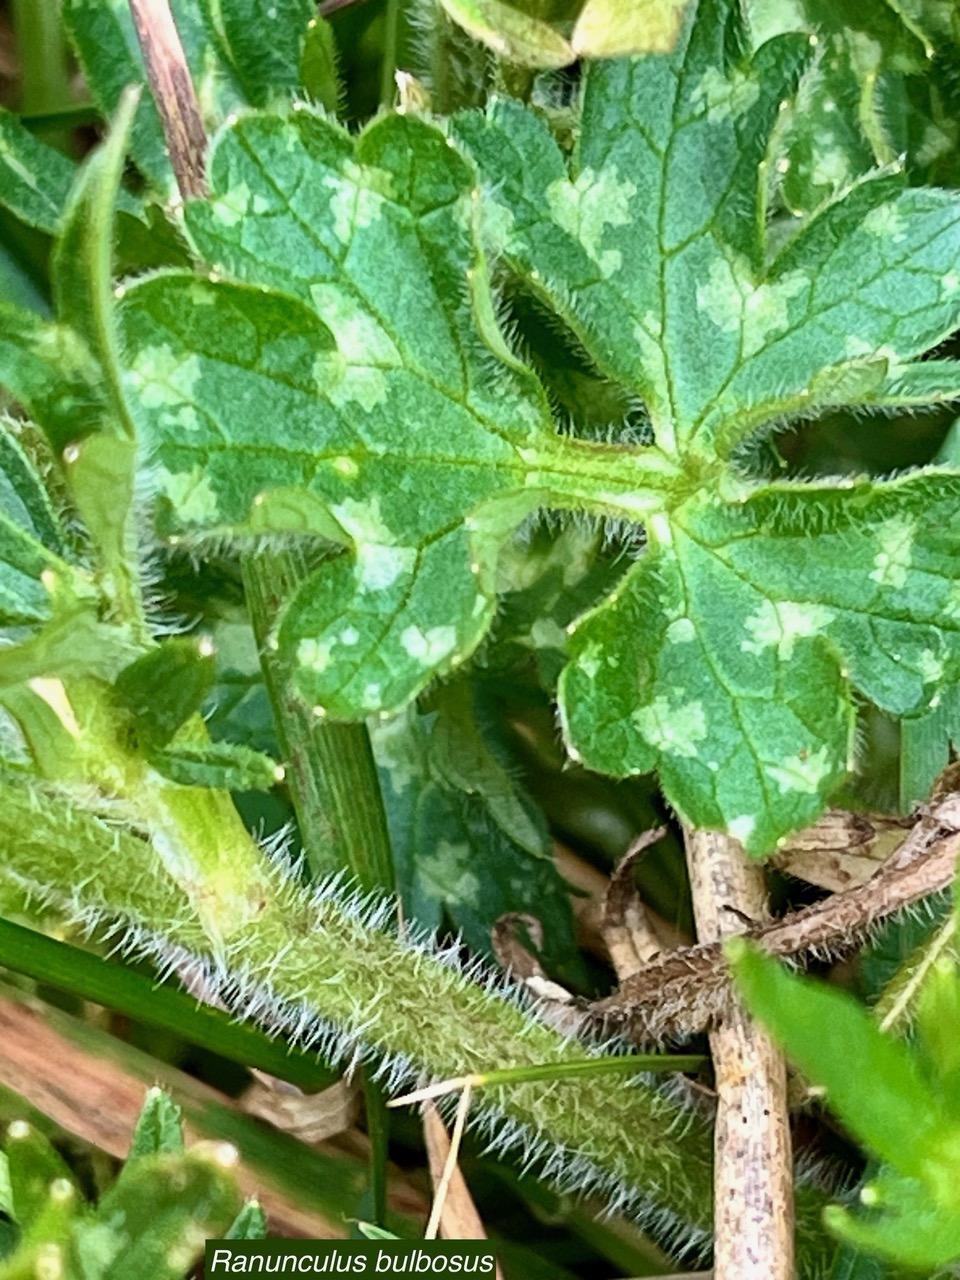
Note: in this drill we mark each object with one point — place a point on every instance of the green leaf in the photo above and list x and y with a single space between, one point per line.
51 372
899 1117
546 578
932 20
844 122
454 858
512 34
348 380
159 1129
42 1243
904 1223
256 418
912 1206
745 709
925 743
83 261
652 248
33 1166
319 74
249 1224
263 40
104 37
162 689
35 179
466 760
74 641
31 540
850 1264
370 1231
6 1189
938 1008
218 765
151 1224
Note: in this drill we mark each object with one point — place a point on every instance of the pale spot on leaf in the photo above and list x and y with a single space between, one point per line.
732 303
191 495
742 827
232 206
805 772
721 97
314 654
895 556
886 223
159 377
585 209
682 631
431 646
780 624
379 566
673 728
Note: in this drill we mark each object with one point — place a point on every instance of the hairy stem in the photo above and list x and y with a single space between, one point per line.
327 972
336 793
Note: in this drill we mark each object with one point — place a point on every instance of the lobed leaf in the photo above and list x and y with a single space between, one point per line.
355 387
343 376
652 247
745 709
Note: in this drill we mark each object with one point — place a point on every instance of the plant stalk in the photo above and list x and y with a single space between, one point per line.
42 53
336 793
333 978
330 767
753 1179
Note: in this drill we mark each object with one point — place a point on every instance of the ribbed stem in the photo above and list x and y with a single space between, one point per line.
336 793
330 767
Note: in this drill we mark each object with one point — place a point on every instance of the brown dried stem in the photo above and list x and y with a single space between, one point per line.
685 991
753 1172
174 94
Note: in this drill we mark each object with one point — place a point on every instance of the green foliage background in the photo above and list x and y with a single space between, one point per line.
619 387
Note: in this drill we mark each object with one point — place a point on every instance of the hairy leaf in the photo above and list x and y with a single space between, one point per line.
263 40
35 179
652 248
650 245
745 709
344 376
360 392
31 540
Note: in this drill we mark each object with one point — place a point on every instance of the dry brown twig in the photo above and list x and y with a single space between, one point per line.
753 1158
684 991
